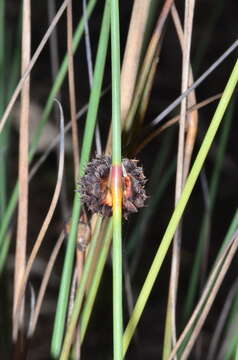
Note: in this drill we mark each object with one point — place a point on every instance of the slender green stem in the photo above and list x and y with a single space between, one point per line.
116 184
79 296
116 118
88 307
232 228
4 250
8 214
13 199
158 189
206 221
117 263
169 233
86 148
230 342
62 304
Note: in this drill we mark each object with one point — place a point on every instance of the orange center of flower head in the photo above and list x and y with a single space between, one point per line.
108 199
96 189
106 190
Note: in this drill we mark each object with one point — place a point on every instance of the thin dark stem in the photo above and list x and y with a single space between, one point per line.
54 61
90 72
176 102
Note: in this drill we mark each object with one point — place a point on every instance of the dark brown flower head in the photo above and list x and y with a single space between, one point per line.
95 187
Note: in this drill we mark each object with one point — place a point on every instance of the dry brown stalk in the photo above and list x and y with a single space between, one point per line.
43 229
151 53
132 55
173 121
31 64
21 240
192 117
44 283
185 41
207 298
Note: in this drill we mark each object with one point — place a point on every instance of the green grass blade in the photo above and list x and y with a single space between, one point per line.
176 216
147 213
231 230
88 307
7 216
231 338
79 296
134 242
231 341
86 148
8 211
59 79
116 184
4 250
58 82
205 226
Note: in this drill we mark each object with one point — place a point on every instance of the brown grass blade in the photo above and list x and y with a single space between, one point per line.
147 91
151 53
55 66
170 330
216 337
44 227
21 240
173 121
132 55
48 150
214 282
210 300
192 117
44 283
131 59
31 64
188 24
201 78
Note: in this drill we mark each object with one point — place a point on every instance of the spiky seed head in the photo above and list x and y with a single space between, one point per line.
95 186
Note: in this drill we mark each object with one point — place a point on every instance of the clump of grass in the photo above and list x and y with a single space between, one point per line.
133 78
